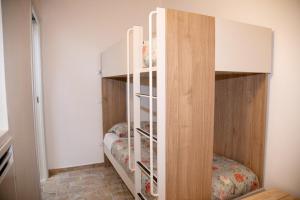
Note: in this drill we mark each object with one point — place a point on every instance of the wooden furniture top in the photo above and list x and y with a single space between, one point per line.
271 194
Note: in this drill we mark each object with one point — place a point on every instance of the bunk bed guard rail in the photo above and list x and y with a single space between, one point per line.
129 31
153 13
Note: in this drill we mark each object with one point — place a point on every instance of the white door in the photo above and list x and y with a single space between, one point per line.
38 99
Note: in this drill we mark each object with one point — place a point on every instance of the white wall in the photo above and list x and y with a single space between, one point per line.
283 127
73 35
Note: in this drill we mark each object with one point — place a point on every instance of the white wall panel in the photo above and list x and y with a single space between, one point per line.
242 47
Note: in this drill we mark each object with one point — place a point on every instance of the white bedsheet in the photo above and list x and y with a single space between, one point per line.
109 139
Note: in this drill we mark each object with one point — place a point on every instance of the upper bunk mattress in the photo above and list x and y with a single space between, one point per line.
230 179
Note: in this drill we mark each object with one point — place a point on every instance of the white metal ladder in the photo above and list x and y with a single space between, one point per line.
138 131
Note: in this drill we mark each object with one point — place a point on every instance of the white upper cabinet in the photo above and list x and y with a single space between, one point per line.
239 47
242 47
113 60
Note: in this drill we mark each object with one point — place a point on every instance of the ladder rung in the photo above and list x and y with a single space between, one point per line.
145 95
146 134
141 196
146 69
146 170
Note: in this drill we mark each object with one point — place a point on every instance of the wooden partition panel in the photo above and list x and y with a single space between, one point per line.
189 105
240 117
113 102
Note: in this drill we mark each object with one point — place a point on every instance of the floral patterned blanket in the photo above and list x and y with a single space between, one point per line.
230 178
120 152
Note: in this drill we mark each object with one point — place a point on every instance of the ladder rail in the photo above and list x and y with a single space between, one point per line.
137 63
153 13
130 30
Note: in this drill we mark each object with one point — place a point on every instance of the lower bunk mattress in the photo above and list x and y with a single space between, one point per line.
230 179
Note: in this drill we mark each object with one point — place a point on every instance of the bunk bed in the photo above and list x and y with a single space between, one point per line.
191 103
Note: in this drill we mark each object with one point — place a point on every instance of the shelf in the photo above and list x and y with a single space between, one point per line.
145 96
146 134
146 170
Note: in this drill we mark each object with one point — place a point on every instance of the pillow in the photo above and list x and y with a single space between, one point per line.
146 52
120 130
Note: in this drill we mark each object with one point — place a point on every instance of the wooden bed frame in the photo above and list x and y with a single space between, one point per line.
113 104
239 120
206 111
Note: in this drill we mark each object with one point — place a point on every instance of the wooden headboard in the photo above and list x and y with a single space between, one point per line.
113 102
240 118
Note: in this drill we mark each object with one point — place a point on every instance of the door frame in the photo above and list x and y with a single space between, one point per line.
38 104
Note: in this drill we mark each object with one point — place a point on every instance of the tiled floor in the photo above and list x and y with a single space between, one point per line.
99 183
